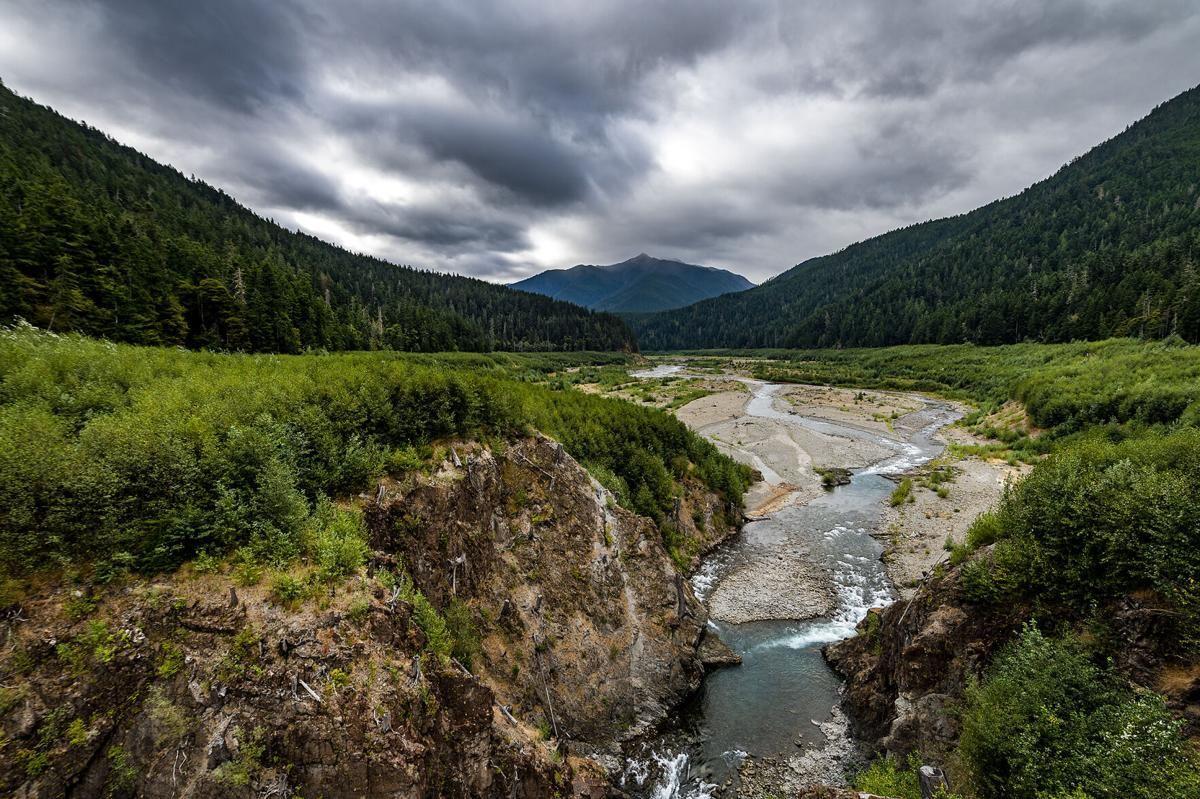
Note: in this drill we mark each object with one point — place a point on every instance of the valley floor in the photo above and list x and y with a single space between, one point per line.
790 457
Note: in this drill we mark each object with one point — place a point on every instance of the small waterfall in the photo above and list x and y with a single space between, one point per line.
673 777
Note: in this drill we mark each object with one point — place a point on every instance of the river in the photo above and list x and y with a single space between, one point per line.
770 706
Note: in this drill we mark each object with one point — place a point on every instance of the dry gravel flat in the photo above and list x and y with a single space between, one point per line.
915 533
784 454
788 587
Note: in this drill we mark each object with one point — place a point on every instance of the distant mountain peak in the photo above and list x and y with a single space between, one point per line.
642 283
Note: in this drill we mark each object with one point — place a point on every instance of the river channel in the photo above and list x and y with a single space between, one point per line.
772 704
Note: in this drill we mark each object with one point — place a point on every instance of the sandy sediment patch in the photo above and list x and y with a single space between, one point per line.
782 585
870 410
785 454
723 406
916 531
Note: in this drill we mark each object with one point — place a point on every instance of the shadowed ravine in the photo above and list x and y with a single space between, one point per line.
767 706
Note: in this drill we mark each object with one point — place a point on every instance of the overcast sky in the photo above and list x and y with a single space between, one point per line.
499 139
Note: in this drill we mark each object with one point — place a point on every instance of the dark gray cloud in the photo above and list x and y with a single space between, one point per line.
498 138
243 55
511 154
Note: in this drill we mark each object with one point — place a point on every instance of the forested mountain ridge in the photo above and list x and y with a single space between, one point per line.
98 238
641 284
1107 246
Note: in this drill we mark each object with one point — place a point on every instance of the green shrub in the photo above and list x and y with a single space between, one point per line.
1047 722
288 589
358 610
336 540
610 480
204 563
1003 574
901 493
884 777
984 530
437 637
1097 521
171 662
464 636
122 774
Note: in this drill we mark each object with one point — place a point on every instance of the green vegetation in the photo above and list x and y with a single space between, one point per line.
902 493
122 772
1047 723
1108 246
148 457
1063 387
886 777
97 238
1096 521
239 771
464 636
834 476
1108 515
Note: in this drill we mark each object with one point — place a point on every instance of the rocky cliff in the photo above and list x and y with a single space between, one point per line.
202 685
593 630
909 664
911 661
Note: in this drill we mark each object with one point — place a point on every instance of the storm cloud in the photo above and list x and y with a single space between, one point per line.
501 138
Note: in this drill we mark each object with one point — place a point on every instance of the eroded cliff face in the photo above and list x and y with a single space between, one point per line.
182 688
193 685
595 631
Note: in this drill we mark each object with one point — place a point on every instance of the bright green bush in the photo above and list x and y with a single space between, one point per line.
1047 722
464 636
336 541
437 638
885 777
901 493
287 589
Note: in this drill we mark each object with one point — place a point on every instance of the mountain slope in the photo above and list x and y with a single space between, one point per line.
1108 246
98 238
640 284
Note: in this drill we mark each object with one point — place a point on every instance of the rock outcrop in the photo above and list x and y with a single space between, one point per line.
595 630
912 660
203 685
910 663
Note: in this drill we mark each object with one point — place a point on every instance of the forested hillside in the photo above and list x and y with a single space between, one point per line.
98 238
1108 246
